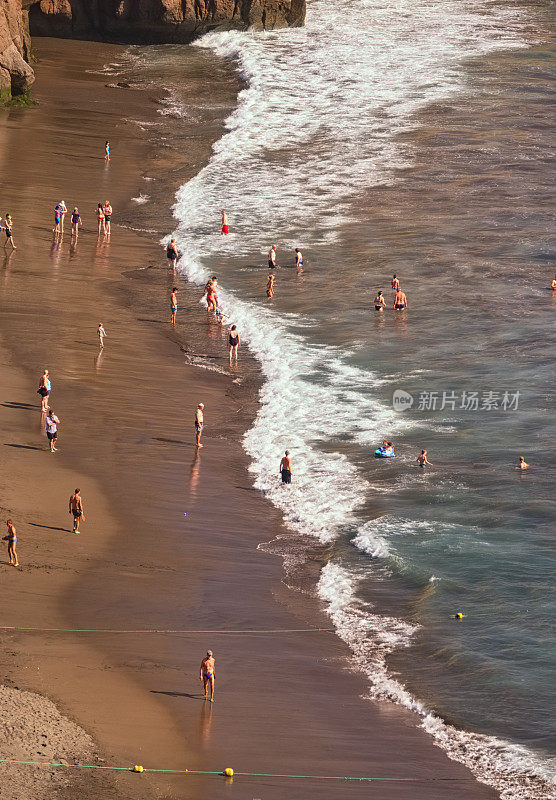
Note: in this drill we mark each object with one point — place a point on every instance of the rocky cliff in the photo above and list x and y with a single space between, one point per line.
138 21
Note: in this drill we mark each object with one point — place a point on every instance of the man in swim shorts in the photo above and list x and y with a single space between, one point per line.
11 539
207 674
225 227
107 217
286 468
400 300
76 508
395 283
199 424
422 460
272 257
174 304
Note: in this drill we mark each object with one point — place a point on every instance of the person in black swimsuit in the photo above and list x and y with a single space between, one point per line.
233 341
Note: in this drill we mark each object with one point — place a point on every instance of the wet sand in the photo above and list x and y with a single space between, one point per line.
285 703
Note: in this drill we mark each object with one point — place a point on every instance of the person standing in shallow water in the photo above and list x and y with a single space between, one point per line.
107 217
8 222
174 304
101 334
270 286
11 539
233 341
207 674
400 300
422 460
172 253
225 226
100 218
52 423
286 468
76 508
522 463
107 150
44 389
199 424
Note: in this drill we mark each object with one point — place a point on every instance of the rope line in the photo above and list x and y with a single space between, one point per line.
236 774
161 630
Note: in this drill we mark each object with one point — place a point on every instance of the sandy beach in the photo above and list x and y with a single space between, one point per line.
171 535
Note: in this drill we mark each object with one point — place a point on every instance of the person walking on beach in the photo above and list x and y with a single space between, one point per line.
63 212
101 334
225 226
57 229
270 286
272 257
76 221
298 259
76 508
107 217
233 341
8 222
199 424
422 460
522 463
52 423
107 150
172 253
11 539
400 300
206 675
44 389
174 304
100 218
380 302
286 468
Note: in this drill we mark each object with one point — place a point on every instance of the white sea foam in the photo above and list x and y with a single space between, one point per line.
141 199
513 770
317 123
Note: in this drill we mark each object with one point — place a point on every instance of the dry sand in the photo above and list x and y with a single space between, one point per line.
285 703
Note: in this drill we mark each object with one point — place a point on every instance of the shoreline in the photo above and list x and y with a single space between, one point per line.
224 561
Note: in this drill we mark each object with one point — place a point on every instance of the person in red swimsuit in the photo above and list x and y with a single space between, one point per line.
225 227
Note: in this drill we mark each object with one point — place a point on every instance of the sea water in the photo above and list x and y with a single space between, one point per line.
408 138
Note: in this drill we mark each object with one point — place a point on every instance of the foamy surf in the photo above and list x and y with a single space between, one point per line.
317 123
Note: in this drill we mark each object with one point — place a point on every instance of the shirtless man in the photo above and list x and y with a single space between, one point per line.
400 300
395 283
380 302
225 226
107 217
553 284
11 539
199 423
174 304
522 463
272 257
206 674
286 468
76 508
298 259
422 460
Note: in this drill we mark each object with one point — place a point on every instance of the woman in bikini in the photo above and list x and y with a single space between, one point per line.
380 302
100 218
270 286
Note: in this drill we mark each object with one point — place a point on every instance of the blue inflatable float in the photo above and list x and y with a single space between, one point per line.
382 453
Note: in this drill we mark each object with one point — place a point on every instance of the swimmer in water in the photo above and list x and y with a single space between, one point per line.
395 283
423 461
380 302
286 468
233 341
174 304
553 285
272 257
270 286
172 253
225 226
522 463
212 297
101 334
298 259
400 300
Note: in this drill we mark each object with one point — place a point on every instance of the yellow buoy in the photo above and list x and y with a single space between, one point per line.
459 615
228 772
138 768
